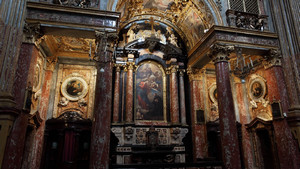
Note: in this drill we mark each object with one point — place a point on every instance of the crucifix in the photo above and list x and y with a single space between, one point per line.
152 23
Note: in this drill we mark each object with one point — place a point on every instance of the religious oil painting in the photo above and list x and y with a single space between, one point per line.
149 92
194 24
74 88
157 4
257 89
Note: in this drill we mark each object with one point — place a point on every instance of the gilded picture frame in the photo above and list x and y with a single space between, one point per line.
212 90
257 88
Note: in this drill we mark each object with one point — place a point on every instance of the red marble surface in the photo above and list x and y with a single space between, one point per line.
129 96
100 139
182 100
16 140
116 97
37 146
28 52
15 143
174 104
288 152
198 131
229 139
199 141
245 119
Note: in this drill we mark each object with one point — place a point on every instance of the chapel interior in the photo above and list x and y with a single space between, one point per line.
99 84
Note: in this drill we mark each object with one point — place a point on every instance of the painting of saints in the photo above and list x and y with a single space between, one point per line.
149 92
257 90
195 25
157 4
74 88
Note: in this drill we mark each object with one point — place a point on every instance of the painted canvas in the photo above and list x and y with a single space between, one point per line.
194 24
157 4
149 92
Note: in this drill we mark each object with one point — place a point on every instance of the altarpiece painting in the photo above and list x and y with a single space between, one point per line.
150 92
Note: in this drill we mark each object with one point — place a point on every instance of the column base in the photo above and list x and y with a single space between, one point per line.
8 113
6 100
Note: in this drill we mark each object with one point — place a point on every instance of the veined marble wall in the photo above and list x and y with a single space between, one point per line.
75 90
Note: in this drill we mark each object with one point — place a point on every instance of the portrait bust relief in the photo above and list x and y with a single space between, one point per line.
74 88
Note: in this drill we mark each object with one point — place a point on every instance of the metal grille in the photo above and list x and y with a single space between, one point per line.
251 6
236 5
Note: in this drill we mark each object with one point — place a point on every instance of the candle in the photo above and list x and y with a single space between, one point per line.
90 53
251 62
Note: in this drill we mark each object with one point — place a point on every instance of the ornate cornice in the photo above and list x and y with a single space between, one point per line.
220 52
272 59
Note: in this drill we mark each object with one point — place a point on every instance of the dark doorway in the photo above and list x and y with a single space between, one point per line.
266 149
214 145
67 142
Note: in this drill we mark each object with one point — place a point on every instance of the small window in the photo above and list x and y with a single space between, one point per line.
200 116
276 110
249 6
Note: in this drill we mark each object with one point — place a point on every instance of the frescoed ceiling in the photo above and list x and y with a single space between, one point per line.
190 19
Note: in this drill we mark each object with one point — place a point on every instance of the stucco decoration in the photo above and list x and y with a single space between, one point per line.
257 91
213 93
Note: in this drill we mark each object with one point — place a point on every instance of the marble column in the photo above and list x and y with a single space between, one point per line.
288 152
22 88
116 94
11 30
129 93
174 104
100 138
182 97
228 129
16 140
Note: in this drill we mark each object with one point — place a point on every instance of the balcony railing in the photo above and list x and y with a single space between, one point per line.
74 3
247 20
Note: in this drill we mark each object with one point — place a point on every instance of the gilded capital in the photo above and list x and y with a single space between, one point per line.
220 52
172 69
118 67
51 62
130 66
195 74
181 72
